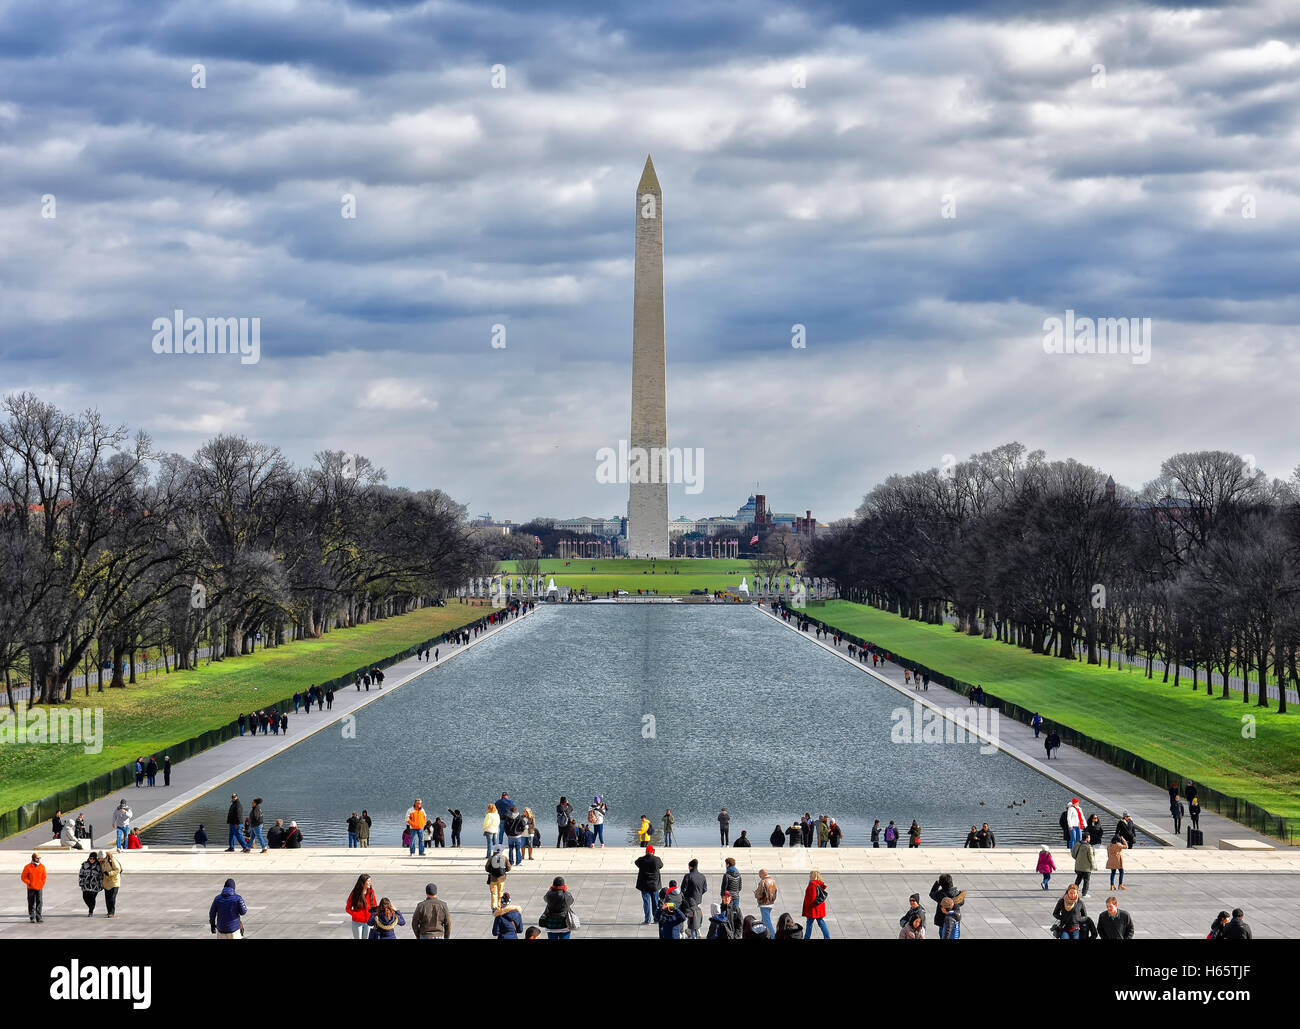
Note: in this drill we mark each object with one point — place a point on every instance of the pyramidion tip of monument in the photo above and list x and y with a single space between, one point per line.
649 181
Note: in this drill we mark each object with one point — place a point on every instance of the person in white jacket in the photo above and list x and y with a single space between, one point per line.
122 824
1074 821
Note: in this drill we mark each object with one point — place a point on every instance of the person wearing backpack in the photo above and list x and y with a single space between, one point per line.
596 818
497 866
765 895
719 926
516 826
891 835
563 815
814 906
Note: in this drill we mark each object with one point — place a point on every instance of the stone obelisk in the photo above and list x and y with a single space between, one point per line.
647 506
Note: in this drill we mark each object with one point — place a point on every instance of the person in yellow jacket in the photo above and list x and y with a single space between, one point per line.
645 832
111 869
491 823
416 819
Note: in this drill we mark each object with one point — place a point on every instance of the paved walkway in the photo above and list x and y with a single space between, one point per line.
307 905
209 769
1079 773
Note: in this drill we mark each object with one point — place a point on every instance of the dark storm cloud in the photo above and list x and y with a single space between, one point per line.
818 206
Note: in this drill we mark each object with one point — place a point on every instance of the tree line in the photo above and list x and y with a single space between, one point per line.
1198 570
110 547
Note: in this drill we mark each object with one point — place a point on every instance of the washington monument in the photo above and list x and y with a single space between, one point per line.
647 505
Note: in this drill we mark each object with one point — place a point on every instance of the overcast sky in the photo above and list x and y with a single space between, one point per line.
806 153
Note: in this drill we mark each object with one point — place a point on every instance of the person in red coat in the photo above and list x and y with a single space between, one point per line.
360 906
814 906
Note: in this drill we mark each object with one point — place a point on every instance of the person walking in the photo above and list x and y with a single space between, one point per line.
255 823
724 827
765 895
507 920
90 879
694 888
385 920
226 915
497 866
1176 813
234 826
648 867
110 869
1085 862
1037 723
814 906
491 822
558 917
33 877
1114 924
1074 822
1069 914
122 824
668 821
360 906
167 770
1115 860
432 919
1046 865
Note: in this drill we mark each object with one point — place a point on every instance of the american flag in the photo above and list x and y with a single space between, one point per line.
754 542
537 540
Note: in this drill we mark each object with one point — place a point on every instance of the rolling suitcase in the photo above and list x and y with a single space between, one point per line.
1195 838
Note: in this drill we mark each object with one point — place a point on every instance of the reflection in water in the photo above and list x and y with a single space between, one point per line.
691 707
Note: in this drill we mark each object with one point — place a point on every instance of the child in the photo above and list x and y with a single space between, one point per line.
951 908
1046 866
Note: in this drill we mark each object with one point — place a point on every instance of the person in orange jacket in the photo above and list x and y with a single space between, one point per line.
416 819
34 879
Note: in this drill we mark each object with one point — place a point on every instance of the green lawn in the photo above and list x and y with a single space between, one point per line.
1176 728
165 709
669 577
